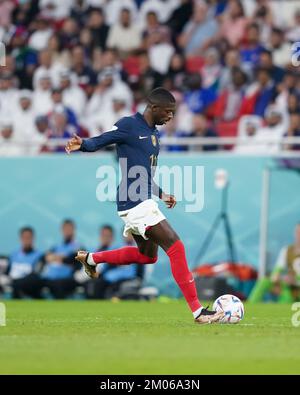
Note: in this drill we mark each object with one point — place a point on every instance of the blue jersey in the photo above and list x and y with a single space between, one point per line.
137 150
23 263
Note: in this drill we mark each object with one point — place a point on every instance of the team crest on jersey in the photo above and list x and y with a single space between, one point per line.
154 141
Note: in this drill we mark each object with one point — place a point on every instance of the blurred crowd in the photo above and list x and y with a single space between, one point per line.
80 65
30 273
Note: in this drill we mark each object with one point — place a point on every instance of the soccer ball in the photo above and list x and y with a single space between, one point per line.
231 306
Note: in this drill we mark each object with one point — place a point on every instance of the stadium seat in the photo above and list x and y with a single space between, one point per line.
227 129
131 66
194 64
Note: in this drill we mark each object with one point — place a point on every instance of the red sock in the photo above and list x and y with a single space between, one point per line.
122 256
182 275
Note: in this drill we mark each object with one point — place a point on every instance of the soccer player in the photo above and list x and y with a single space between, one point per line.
136 139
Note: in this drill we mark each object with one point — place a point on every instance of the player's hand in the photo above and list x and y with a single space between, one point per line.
73 144
170 200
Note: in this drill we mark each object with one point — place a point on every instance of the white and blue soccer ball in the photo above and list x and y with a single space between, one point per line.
232 307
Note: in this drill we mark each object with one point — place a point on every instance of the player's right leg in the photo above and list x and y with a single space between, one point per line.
146 247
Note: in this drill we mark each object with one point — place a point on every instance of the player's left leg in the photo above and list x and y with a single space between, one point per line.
163 235
144 253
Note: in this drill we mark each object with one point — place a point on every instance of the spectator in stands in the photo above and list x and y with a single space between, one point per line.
211 70
60 57
124 35
286 273
59 127
160 49
59 263
114 7
163 9
73 96
281 50
248 127
98 28
198 33
293 35
176 73
25 12
170 129
286 88
80 11
42 32
10 65
293 103
23 124
46 66
8 95
24 267
184 116
269 137
232 61
110 60
251 50
293 131
202 129
6 8
69 33
259 94
152 26
234 23
8 144
180 16
103 122
59 106
84 76
42 102
263 16
43 131
197 98
109 84
228 105
266 61
148 78
25 57
55 9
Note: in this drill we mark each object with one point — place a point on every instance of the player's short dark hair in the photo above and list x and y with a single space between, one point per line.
68 221
266 52
107 227
277 30
26 229
261 69
161 96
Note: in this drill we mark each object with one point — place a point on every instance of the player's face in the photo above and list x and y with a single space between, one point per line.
27 239
163 113
68 231
106 237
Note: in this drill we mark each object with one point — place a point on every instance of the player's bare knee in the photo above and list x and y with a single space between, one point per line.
173 237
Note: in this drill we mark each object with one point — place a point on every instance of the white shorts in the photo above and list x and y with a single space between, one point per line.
138 218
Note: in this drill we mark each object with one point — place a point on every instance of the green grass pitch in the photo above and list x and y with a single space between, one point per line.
93 337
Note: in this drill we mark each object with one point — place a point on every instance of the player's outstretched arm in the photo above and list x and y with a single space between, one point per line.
73 144
114 136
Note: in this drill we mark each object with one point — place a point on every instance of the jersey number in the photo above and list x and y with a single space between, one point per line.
153 160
